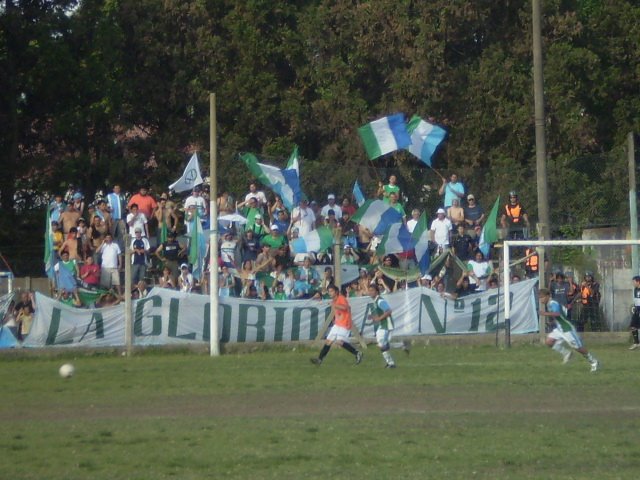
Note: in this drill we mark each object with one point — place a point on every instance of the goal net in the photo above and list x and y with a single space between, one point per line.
608 260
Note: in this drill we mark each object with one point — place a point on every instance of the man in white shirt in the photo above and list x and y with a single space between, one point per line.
441 230
111 263
137 220
196 200
257 194
331 205
415 216
303 218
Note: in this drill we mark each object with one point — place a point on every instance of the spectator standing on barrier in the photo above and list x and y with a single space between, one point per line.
146 204
341 329
168 252
590 302
563 331
117 208
634 326
441 231
515 218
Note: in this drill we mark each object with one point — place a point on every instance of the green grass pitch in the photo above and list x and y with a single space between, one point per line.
454 412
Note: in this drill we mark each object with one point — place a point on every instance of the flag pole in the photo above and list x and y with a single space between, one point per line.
214 335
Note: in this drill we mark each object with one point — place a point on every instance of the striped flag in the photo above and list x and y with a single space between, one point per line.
197 247
285 183
425 138
421 239
396 240
357 194
489 233
49 252
377 216
294 162
317 240
385 135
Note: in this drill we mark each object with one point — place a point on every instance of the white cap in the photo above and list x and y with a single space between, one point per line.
427 277
184 265
275 227
441 210
257 217
331 196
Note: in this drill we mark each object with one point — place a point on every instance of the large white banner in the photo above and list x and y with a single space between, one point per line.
169 317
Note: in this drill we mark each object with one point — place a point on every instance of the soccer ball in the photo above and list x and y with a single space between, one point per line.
67 370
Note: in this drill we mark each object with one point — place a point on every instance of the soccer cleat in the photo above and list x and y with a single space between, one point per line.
566 357
406 346
359 356
634 346
316 361
595 366
390 365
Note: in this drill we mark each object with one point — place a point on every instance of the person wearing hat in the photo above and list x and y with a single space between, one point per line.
515 218
78 202
260 230
331 205
634 326
349 256
473 212
275 239
140 247
185 279
425 281
441 230
168 252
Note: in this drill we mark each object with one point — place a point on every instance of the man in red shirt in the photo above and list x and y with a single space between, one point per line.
341 328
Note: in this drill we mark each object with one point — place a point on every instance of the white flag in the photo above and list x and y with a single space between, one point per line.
190 178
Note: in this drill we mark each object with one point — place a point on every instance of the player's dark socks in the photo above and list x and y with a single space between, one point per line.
634 334
324 351
349 348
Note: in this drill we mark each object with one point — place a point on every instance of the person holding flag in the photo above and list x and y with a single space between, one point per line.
341 328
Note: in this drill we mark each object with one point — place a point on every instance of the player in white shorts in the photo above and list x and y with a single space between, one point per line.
563 331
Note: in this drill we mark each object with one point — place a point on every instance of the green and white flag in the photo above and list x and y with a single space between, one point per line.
317 240
385 135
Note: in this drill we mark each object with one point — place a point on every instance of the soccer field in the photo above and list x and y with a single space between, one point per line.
445 412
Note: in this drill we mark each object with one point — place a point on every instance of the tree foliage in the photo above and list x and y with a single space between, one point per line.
94 92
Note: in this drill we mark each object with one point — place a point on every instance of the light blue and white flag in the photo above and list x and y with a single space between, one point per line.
285 183
425 138
385 135
190 178
197 247
357 194
294 161
421 239
317 240
377 216
396 240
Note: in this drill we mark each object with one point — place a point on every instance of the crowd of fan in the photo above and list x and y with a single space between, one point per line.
254 255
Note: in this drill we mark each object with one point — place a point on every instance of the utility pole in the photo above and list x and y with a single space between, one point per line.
541 148
633 201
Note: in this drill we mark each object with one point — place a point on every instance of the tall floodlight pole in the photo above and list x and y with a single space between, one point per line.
214 335
633 202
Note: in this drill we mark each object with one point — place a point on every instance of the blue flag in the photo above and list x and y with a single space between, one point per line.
358 195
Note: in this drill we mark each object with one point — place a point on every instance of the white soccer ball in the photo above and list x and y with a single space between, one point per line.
67 370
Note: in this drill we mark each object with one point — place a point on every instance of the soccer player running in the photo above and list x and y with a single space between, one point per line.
381 317
341 328
563 331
